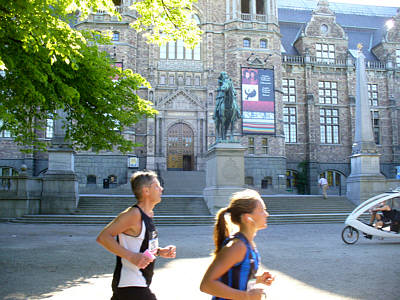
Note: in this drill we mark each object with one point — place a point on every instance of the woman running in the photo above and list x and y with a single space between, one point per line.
236 258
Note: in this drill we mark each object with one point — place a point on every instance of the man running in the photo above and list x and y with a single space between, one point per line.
130 234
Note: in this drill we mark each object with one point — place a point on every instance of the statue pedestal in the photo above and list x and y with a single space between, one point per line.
365 179
60 184
224 174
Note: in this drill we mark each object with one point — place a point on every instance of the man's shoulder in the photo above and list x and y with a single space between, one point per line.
131 212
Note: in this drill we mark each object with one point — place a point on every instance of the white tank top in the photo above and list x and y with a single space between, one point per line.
130 273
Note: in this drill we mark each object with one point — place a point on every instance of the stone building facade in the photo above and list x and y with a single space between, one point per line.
311 47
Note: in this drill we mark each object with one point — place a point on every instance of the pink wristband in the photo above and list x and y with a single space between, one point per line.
149 255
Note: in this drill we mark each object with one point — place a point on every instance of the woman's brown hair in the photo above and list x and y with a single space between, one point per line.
242 202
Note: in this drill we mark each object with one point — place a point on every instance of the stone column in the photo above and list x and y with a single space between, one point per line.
228 10
253 9
224 174
365 179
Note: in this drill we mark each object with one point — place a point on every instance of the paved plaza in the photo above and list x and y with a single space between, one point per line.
310 262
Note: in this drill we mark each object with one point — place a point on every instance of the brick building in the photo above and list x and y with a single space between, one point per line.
310 45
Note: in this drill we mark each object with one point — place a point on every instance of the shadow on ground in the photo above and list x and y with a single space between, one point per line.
311 262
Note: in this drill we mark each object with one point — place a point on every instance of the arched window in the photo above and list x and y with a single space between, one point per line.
263 43
6 183
91 179
115 36
246 43
333 177
177 49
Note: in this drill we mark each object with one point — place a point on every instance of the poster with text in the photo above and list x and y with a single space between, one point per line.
258 101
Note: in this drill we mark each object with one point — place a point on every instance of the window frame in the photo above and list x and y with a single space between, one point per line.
373 94
116 34
289 90
330 92
329 128
325 53
265 46
375 119
250 145
290 124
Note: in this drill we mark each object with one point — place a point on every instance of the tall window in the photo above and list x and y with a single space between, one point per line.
162 79
264 144
290 124
325 53
197 80
49 128
373 94
398 58
171 80
4 133
177 50
329 126
246 43
251 145
188 80
375 126
289 90
327 92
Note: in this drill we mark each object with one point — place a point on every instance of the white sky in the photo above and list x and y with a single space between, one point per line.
392 3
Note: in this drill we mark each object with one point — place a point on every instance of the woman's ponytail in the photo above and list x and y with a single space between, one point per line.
221 231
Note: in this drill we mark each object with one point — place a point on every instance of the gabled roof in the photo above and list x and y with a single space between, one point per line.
362 23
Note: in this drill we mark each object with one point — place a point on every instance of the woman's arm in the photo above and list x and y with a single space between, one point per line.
227 257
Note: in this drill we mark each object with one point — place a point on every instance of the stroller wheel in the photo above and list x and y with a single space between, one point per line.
350 235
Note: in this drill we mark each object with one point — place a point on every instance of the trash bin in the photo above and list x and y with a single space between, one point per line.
106 183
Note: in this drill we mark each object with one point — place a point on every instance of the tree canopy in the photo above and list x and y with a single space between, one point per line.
48 66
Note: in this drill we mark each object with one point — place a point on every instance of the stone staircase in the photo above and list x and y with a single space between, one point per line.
192 210
183 182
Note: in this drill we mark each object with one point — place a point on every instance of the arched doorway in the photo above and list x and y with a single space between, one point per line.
180 147
336 182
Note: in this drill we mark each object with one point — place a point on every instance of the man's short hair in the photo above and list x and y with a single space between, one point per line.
141 179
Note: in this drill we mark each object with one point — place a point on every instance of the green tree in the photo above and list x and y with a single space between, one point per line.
47 66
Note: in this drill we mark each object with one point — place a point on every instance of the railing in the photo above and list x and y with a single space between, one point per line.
328 61
261 18
293 59
246 17
250 17
375 65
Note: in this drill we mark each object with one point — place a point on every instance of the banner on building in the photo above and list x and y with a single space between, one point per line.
258 101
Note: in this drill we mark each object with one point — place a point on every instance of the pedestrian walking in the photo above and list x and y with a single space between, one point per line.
323 183
133 238
232 274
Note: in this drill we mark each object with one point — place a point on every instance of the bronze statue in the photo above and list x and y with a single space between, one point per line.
226 109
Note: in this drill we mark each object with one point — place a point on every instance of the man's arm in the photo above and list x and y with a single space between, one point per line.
127 221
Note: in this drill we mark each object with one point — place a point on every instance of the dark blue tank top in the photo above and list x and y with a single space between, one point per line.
238 276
